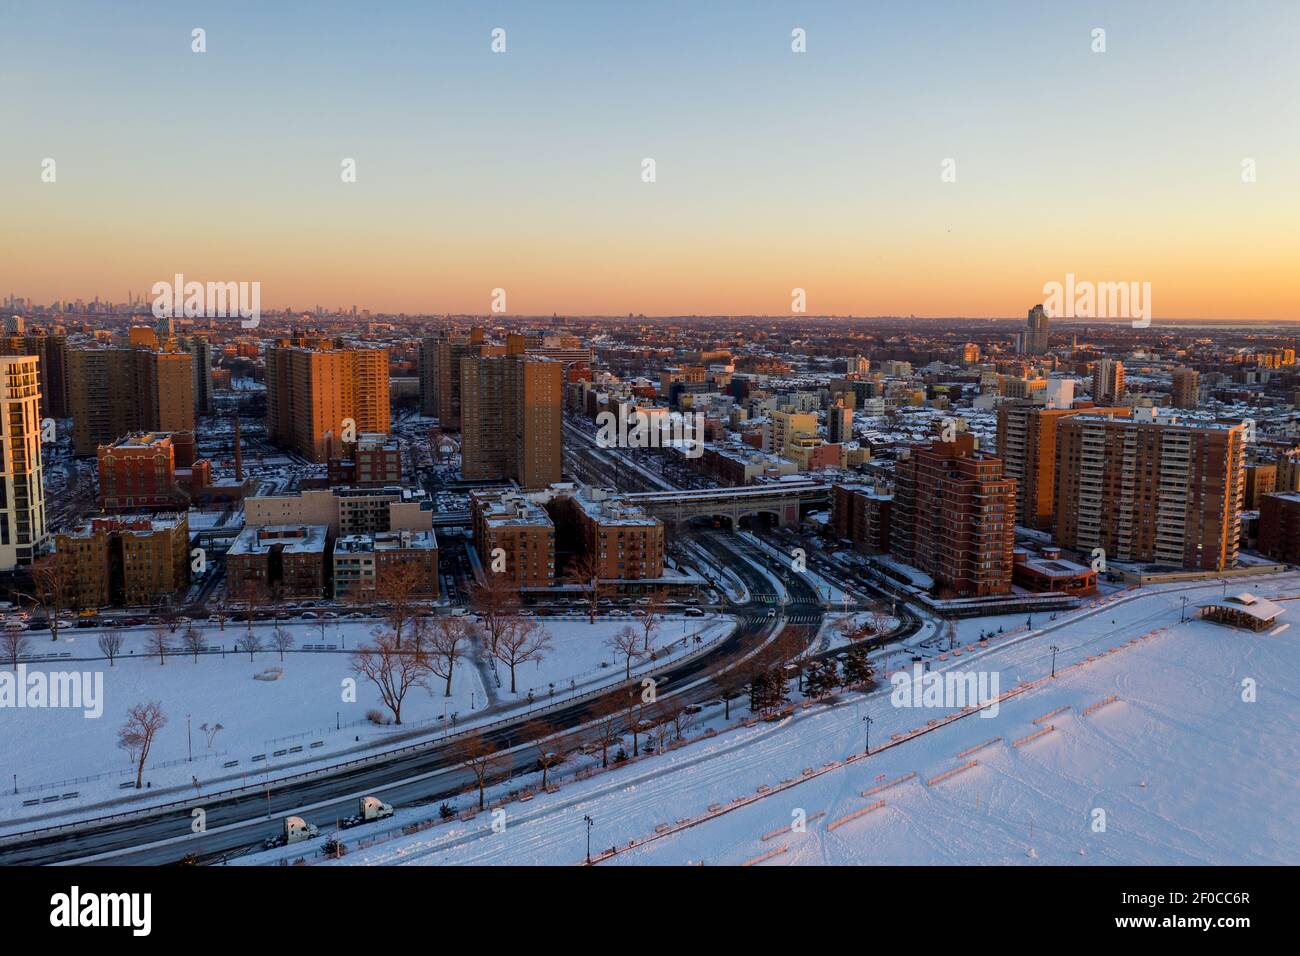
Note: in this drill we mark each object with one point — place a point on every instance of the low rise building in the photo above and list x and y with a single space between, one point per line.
283 561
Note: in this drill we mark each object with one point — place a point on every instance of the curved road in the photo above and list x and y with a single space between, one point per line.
426 775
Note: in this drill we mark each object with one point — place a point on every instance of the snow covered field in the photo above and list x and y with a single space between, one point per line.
1183 768
282 722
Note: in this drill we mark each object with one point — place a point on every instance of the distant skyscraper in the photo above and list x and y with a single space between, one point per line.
22 510
1108 382
1033 340
1186 388
201 349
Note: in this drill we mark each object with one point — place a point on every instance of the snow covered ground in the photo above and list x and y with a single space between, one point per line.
270 727
1181 767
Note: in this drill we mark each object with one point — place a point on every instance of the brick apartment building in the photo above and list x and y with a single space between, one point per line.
1279 526
518 530
1150 491
361 562
954 518
862 514
279 562
127 560
1027 447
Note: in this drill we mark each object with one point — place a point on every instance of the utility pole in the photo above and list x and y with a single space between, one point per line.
1054 650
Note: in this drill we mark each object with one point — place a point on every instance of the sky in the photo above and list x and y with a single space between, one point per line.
774 170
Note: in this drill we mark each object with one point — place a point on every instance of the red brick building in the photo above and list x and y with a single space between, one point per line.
954 518
1279 526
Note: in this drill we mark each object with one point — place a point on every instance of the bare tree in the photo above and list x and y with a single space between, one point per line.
683 720
626 643
447 633
156 642
550 752
250 642
252 594
392 669
221 611
497 603
14 643
211 731
479 757
523 641
53 586
585 572
282 639
651 619
193 641
110 645
397 589
136 736
606 728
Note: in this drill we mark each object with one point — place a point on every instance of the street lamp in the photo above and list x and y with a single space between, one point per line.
590 824
1054 650
189 746
867 720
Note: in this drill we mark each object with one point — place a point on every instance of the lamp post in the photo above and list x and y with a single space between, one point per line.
189 745
1054 650
590 823
867 720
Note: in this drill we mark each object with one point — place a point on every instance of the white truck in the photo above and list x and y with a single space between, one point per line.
296 829
370 808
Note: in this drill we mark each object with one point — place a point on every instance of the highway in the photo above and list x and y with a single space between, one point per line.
427 774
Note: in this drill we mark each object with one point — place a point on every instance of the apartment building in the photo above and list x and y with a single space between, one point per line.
1026 443
514 536
954 518
279 562
113 392
1186 391
345 510
1107 382
1279 526
861 513
1150 490
52 350
511 408
23 534
628 543
127 560
361 562
319 398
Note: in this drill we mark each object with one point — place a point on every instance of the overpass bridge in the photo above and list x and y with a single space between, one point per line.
784 500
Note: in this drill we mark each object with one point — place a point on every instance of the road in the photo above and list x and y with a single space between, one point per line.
427 775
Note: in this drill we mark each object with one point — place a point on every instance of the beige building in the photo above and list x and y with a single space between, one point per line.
344 510
22 511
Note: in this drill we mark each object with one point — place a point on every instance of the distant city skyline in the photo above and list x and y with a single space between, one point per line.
774 170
